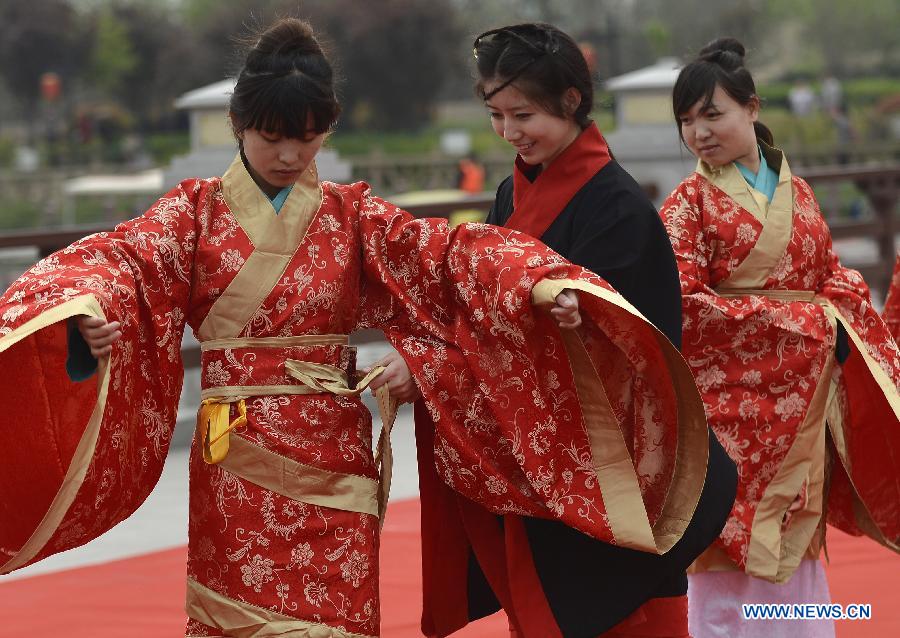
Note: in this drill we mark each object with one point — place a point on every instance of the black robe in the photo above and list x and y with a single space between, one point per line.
612 228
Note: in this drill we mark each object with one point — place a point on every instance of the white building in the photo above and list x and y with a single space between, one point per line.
645 141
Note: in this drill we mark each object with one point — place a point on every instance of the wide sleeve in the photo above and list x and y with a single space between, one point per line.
81 456
603 431
864 414
891 313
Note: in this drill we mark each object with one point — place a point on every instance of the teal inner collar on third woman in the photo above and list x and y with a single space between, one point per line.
765 180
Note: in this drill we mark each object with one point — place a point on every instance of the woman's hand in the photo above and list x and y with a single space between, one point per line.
566 310
98 334
397 377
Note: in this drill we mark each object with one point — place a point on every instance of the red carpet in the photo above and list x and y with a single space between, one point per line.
142 597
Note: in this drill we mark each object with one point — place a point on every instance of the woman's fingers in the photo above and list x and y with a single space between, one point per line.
566 312
91 322
104 339
98 334
404 390
91 329
100 352
568 298
397 377
377 382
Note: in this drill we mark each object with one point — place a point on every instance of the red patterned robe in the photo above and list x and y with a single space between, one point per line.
284 510
763 294
891 313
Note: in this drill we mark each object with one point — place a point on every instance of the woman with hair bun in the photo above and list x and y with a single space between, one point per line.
551 578
272 269
797 371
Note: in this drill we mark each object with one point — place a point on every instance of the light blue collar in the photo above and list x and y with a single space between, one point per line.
765 180
278 200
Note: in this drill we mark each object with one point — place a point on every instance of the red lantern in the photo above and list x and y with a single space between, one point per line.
51 86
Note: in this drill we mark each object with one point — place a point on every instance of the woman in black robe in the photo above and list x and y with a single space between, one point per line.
569 191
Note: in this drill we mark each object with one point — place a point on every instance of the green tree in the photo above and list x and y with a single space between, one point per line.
160 45
396 59
659 37
36 37
112 57
868 32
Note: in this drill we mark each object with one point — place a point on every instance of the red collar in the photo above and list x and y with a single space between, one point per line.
536 204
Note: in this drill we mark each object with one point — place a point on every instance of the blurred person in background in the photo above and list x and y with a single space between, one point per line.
470 175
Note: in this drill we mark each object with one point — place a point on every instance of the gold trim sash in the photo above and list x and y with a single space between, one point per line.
243 620
235 393
613 466
773 294
275 239
777 221
275 342
279 474
299 481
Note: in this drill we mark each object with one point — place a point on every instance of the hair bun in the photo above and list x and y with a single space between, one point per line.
726 52
286 40
282 48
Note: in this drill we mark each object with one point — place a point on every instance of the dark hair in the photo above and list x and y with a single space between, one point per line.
539 60
721 62
286 78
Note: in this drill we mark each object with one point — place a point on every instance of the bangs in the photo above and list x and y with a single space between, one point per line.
696 83
291 106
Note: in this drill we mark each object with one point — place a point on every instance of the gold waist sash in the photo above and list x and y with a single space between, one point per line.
214 427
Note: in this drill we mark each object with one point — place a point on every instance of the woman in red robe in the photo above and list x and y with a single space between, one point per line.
798 372
272 269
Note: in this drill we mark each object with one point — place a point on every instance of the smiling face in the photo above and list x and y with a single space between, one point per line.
277 161
538 136
722 132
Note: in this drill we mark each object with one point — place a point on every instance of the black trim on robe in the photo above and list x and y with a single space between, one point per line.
612 228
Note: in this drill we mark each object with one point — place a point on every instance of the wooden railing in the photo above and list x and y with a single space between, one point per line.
880 186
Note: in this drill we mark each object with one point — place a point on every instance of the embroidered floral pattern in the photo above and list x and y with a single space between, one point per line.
510 430
758 361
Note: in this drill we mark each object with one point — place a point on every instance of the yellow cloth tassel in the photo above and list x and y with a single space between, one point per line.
213 426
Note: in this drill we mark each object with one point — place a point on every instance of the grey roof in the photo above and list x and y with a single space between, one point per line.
209 96
661 75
